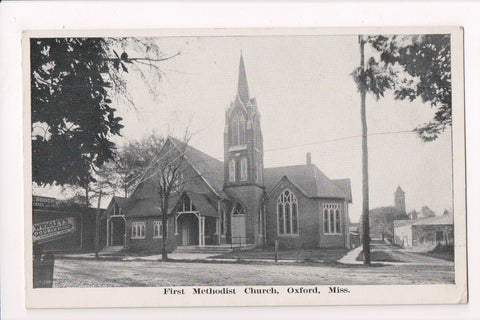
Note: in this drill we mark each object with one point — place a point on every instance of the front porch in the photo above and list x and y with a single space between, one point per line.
194 229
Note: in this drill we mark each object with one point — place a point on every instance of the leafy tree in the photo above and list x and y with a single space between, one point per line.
426 212
426 64
412 66
72 120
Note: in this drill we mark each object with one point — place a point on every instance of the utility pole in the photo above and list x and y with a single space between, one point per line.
97 227
363 112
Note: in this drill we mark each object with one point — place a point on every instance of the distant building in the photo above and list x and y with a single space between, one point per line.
381 219
424 234
400 200
237 201
413 215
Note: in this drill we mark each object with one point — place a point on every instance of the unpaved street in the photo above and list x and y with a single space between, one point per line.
91 273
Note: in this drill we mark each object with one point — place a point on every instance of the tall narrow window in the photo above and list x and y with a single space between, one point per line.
281 220
337 221
294 218
326 224
237 129
138 230
158 229
332 219
231 170
287 213
241 130
244 169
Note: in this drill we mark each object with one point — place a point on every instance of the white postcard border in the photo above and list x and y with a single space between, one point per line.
359 295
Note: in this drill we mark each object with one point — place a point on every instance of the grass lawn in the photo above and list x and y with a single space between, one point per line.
378 256
441 252
294 254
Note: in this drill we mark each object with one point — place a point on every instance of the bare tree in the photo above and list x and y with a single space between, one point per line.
156 161
166 172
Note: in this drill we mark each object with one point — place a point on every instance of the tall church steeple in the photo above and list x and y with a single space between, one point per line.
242 82
243 153
243 141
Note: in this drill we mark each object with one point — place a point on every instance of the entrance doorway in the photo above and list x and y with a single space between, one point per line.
188 229
117 231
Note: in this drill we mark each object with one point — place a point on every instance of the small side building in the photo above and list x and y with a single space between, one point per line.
424 234
62 227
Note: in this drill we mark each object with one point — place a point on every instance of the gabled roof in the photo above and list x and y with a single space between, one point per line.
310 180
123 203
346 187
148 207
209 168
203 204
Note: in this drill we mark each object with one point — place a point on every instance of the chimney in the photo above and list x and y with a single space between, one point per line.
309 158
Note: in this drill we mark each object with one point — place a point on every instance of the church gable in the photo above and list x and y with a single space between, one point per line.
309 179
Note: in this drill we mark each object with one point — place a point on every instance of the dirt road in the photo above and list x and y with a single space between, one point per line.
91 273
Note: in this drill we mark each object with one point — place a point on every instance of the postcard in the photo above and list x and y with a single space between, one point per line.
244 167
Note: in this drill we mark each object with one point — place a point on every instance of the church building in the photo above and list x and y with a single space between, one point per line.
238 201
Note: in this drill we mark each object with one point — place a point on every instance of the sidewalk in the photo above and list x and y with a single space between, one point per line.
206 257
351 256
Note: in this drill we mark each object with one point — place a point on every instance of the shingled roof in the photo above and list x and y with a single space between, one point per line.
310 180
211 169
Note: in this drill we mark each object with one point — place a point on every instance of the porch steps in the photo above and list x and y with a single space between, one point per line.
214 249
111 250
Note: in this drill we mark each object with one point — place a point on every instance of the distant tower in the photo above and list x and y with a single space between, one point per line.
243 152
400 200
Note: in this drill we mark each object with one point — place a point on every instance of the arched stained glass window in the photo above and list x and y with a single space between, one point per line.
287 213
238 209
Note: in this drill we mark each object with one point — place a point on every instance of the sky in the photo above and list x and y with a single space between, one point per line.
308 102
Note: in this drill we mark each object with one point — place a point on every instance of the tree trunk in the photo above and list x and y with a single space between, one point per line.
97 227
164 229
365 204
165 236
87 200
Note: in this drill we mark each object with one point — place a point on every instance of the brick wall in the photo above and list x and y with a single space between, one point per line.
310 221
251 197
307 219
150 244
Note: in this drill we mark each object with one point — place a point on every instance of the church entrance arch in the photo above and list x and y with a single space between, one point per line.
238 224
188 229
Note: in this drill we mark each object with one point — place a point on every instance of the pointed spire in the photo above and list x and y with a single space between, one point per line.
242 82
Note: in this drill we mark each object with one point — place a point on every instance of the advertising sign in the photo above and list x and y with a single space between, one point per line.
52 229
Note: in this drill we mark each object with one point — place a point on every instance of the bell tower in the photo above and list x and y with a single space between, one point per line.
243 154
400 200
